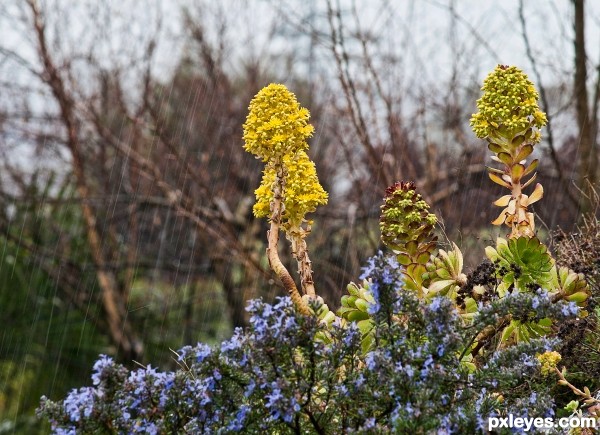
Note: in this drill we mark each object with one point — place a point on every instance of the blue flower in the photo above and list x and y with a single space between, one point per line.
385 278
360 380
99 366
435 304
370 423
533 397
79 403
249 388
440 350
570 309
235 342
202 351
352 336
237 424
342 389
281 406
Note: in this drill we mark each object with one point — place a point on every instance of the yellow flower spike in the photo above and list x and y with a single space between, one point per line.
276 130
509 118
548 362
508 106
302 191
276 124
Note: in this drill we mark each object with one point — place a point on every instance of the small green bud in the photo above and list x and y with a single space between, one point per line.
407 229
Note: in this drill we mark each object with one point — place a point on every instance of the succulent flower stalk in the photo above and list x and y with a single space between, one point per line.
276 131
510 119
407 229
273 240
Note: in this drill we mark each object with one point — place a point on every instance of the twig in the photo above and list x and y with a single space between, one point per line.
545 106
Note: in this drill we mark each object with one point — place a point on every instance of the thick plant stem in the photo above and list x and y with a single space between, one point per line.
488 332
300 252
273 239
520 225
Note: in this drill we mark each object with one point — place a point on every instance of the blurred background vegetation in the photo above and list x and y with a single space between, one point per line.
125 196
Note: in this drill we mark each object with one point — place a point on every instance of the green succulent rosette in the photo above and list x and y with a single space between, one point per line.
523 263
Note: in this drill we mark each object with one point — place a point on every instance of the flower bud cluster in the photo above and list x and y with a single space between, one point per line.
508 105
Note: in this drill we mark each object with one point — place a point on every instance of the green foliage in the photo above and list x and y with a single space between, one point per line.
355 308
445 274
46 346
407 229
579 252
523 263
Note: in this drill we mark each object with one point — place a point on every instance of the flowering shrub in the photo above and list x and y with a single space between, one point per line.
276 377
418 346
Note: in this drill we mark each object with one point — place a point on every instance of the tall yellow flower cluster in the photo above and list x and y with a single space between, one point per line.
276 130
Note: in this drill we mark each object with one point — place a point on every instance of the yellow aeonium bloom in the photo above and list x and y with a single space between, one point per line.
548 361
276 124
508 105
302 192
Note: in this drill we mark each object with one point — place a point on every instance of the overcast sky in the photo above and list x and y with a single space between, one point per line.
428 38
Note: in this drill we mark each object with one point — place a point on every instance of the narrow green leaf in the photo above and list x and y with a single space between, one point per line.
524 153
532 166
499 180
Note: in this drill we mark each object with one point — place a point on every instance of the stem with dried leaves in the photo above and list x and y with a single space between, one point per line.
273 239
